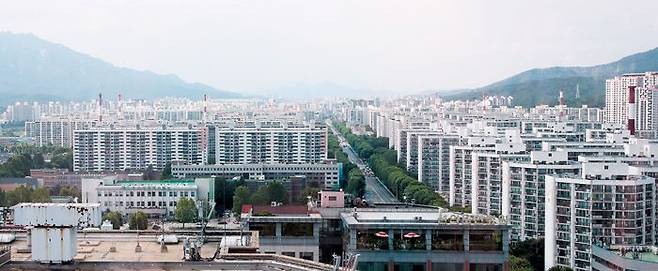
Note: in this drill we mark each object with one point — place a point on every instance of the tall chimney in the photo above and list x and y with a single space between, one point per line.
561 104
632 110
100 105
119 102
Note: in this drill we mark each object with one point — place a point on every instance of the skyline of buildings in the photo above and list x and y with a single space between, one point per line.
581 178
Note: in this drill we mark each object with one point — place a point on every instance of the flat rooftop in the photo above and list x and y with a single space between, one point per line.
436 218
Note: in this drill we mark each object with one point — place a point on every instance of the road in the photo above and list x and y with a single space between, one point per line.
376 192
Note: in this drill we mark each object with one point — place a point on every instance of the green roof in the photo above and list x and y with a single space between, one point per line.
154 182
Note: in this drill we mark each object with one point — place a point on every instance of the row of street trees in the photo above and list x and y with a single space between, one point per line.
24 194
383 162
186 212
352 179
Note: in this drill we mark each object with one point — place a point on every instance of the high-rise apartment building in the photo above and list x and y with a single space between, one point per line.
434 160
281 143
635 93
602 206
523 190
55 131
461 168
137 148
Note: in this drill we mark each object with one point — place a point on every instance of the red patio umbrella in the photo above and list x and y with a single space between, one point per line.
411 235
381 234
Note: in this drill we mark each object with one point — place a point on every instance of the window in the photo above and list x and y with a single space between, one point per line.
485 241
288 253
444 240
297 229
264 229
332 198
306 255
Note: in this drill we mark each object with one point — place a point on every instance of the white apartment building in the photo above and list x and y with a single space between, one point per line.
617 99
55 131
155 198
461 168
523 190
270 143
487 176
137 148
434 160
413 149
602 206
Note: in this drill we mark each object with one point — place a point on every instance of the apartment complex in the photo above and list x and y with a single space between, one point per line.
523 190
634 94
604 206
271 143
137 148
434 160
55 131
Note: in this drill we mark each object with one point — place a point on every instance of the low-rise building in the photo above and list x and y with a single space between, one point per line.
425 239
327 173
155 198
290 230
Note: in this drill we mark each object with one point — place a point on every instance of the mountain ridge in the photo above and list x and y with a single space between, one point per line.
35 68
542 85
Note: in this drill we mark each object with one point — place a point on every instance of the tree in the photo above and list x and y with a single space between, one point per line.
115 218
186 211
224 190
151 174
20 194
70 191
519 264
531 250
166 172
277 192
261 196
356 184
3 198
41 194
138 221
239 198
308 192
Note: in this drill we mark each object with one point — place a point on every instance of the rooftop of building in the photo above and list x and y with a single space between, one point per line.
249 210
154 182
116 251
416 217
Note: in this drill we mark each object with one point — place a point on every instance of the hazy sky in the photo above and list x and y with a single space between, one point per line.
402 46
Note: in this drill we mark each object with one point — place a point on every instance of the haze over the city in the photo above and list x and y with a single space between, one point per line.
257 47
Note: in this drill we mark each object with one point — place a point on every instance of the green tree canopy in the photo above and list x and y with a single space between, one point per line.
277 192
115 218
261 196
240 197
138 221
186 211
166 172
41 194
519 264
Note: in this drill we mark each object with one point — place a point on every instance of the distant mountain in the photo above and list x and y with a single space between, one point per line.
35 69
542 86
325 89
